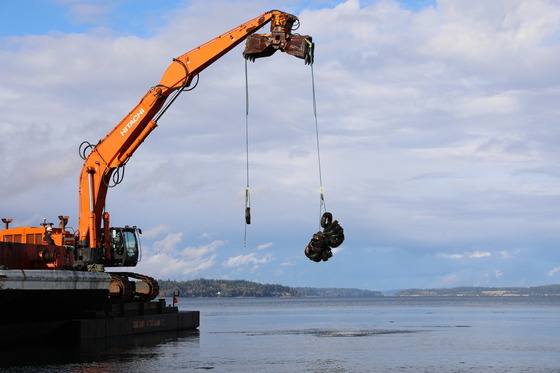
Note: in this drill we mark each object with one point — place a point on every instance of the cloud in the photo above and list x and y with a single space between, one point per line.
472 276
169 243
337 250
155 231
450 279
508 254
248 259
479 254
498 274
164 266
553 272
288 264
164 258
200 251
471 254
451 256
265 246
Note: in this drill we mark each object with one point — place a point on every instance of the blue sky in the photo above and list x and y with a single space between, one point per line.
124 17
438 130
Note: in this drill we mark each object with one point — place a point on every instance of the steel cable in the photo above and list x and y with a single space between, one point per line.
322 203
247 192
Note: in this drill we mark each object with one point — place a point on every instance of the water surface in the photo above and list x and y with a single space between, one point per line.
385 334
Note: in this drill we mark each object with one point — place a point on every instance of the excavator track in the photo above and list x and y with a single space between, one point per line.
121 289
144 289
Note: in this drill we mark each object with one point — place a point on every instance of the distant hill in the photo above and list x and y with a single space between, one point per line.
241 288
336 292
546 290
222 288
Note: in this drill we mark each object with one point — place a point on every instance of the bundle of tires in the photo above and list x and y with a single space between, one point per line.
319 248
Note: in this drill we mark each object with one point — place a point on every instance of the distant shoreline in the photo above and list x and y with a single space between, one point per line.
201 288
475 291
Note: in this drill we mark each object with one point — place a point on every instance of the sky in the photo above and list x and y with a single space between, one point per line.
437 122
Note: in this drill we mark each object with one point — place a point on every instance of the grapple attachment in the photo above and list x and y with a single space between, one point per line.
280 38
263 45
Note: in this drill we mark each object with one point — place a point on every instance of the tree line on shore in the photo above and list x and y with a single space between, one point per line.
241 288
545 290
221 288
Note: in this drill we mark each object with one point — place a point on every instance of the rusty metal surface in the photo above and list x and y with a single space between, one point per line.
129 286
280 38
263 45
14 255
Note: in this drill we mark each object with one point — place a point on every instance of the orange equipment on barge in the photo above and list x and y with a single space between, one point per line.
96 244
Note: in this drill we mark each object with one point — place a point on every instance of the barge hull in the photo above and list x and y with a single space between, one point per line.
79 331
132 325
69 307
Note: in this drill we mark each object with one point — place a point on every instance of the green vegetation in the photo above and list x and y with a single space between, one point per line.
222 288
241 288
546 290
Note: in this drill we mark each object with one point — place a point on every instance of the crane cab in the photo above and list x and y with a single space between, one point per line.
125 247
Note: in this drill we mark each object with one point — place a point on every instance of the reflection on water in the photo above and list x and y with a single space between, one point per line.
143 341
137 347
324 332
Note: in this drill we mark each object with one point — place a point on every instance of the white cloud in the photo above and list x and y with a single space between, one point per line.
169 243
164 260
288 264
451 256
509 254
471 254
248 259
337 250
479 254
472 276
155 231
164 266
498 273
553 272
200 251
265 246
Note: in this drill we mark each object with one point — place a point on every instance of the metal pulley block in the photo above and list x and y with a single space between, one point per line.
319 248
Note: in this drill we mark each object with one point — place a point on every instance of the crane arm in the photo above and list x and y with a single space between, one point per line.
116 148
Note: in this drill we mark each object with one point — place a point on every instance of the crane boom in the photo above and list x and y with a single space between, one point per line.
94 244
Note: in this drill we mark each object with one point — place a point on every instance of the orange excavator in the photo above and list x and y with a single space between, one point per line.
96 244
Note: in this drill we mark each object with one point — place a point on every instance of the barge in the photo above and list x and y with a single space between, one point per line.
74 307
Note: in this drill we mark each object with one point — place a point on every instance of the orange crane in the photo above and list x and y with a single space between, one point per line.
96 243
